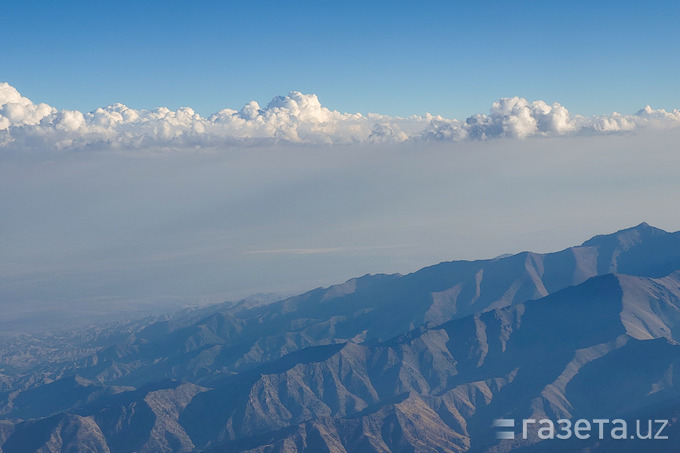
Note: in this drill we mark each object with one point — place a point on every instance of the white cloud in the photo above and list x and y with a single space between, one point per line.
294 118
16 110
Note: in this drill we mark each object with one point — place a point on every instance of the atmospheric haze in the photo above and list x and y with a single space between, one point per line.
103 231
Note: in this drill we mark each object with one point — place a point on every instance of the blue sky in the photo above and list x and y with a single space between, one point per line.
390 57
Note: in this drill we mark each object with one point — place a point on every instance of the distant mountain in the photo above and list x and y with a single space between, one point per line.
421 362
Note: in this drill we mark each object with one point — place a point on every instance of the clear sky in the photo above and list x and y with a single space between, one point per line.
391 57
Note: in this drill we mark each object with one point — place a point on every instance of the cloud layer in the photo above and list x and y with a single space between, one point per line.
294 118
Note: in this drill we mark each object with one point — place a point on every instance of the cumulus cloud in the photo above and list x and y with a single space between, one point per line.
16 110
294 118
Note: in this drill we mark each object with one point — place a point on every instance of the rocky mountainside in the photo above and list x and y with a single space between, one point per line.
421 362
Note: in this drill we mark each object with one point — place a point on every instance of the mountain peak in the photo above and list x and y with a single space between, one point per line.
626 237
641 250
644 226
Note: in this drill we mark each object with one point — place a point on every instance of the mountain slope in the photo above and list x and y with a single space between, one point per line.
422 362
469 370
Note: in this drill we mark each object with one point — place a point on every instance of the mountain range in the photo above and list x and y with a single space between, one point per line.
423 362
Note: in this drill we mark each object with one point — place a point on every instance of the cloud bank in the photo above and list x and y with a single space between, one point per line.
294 118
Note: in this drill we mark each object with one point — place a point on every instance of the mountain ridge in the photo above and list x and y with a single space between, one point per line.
420 362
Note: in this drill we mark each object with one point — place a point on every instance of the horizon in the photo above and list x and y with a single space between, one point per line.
97 232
